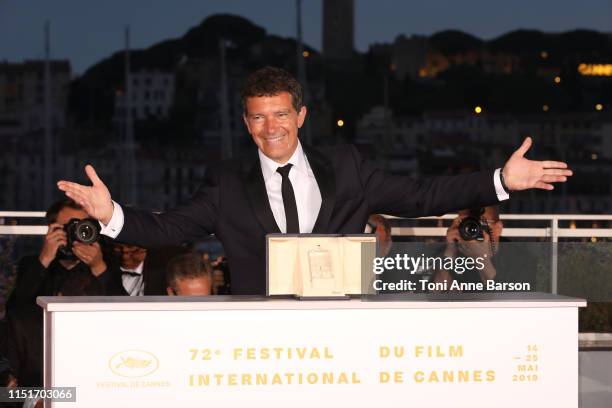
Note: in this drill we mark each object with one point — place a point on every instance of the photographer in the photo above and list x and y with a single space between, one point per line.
63 254
473 234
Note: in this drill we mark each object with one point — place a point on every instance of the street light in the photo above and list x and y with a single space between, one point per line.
545 108
340 123
557 80
599 107
478 110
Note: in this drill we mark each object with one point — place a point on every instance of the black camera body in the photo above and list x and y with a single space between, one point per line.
473 226
86 231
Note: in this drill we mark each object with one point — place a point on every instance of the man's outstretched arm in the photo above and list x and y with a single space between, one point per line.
423 196
194 219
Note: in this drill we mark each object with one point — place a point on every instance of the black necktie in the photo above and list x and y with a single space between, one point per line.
291 214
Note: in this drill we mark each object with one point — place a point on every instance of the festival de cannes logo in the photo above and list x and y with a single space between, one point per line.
133 363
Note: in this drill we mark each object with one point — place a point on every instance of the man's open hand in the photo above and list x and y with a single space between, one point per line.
95 199
522 174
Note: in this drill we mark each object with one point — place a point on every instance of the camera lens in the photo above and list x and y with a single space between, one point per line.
86 232
470 229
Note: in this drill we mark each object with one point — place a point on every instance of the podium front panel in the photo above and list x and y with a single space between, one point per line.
320 353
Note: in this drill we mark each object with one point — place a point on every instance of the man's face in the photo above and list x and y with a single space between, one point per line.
495 224
200 286
129 255
273 123
66 214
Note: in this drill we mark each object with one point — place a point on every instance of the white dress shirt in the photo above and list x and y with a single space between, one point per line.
305 188
307 193
132 280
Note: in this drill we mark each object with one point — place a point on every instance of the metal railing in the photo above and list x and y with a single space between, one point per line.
553 232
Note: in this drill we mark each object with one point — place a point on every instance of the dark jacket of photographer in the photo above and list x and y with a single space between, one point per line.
34 280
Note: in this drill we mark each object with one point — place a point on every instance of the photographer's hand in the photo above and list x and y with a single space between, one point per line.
452 238
90 255
480 249
95 199
475 249
55 238
521 174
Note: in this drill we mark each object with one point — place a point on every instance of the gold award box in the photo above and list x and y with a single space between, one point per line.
310 265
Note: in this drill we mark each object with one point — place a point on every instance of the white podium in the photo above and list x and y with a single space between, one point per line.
502 350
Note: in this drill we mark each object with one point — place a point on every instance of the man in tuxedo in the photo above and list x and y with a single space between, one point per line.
144 272
289 187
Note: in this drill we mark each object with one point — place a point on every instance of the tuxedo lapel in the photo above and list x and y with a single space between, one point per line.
324 174
258 196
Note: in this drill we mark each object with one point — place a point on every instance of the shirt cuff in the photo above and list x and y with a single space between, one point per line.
502 194
115 225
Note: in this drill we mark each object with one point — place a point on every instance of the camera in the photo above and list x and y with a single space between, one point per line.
473 226
86 231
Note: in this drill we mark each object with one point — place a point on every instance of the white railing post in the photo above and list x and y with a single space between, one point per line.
554 239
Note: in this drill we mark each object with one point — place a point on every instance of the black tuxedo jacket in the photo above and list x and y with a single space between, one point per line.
25 344
233 204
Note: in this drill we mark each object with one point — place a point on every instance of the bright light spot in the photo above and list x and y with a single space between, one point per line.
478 110
545 108
340 123
305 54
593 156
557 80
544 54
593 239
599 107
595 69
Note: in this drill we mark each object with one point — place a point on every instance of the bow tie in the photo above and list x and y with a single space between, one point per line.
130 273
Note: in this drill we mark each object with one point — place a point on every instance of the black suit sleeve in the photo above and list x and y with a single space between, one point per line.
190 221
409 197
110 279
16 342
25 345
30 277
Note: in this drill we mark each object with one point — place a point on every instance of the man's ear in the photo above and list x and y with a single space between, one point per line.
301 116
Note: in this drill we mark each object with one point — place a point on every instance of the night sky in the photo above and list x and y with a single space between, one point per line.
86 31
